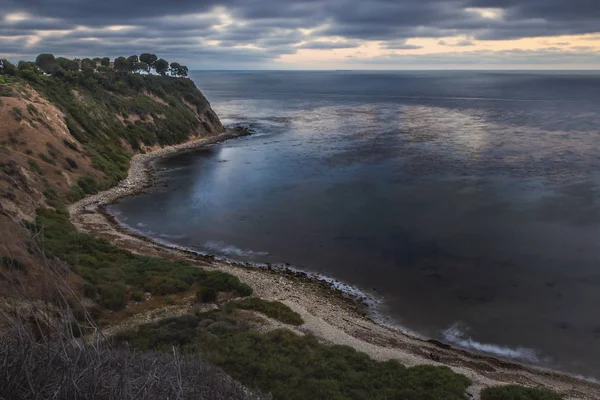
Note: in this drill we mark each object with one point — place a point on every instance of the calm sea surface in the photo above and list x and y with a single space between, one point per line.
469 202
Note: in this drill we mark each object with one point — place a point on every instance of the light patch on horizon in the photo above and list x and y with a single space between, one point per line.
432 46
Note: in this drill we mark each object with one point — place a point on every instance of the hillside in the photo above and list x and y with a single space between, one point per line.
64 137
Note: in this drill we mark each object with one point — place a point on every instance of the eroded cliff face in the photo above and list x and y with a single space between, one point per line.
60 141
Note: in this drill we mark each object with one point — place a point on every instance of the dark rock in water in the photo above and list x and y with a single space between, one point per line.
439 344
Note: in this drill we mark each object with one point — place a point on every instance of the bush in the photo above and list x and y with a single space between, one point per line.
113 295
35 166
223 282
46 158
514 392
70 145
88 184
75 193
206 294
272 309
71 163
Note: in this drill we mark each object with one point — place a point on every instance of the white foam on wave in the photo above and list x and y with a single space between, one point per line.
231 250
457 335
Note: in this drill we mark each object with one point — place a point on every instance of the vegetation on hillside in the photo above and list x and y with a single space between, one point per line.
115 276
295 367
105 106
272 309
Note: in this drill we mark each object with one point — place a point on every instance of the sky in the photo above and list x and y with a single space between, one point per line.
312 34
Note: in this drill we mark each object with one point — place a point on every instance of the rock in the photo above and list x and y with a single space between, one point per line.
147 296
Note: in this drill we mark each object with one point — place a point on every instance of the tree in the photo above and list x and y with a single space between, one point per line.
105 62
140 66
88 63
7 68
149 59
67 65
178 69
183 71
27 66
97 60
46 62
161 66
121 64
132 61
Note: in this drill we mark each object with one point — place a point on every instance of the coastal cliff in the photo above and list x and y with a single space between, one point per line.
62 138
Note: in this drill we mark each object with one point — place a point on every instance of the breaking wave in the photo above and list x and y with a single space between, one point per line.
231 250
457 335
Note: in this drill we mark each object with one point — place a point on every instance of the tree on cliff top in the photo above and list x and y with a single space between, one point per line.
46 62
161 66
121 64
6 67
178 69
149 59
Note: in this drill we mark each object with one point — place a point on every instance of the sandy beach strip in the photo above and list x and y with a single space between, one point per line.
327 315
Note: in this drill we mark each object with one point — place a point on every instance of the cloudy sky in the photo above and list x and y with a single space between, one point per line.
312 34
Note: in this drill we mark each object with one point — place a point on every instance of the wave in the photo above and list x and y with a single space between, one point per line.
231 250
457 335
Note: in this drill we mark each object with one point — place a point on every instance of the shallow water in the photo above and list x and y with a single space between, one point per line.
468 201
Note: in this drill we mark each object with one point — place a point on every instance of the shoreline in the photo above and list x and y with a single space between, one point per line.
328 315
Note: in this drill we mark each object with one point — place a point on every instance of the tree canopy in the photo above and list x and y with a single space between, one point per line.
61 66
46 62
161 66
149 59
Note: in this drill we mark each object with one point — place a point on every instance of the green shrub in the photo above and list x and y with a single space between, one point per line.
70 145
32 110
35 166
47 159
162 285
272 309
71 163
206 294
75 193
113 295
514 392
88 185
223 282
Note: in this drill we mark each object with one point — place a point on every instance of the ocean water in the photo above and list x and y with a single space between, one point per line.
468 203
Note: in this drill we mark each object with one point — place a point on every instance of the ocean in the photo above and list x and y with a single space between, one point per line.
467 203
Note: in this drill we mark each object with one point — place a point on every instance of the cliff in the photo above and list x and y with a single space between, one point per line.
64 137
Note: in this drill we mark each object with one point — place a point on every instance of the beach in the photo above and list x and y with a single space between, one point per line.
328 315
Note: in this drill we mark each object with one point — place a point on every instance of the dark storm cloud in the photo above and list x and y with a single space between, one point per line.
274 27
